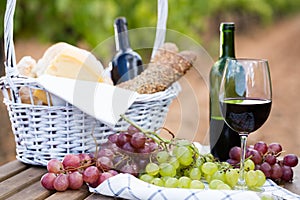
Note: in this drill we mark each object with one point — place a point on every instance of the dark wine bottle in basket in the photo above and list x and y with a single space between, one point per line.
126 64
222 138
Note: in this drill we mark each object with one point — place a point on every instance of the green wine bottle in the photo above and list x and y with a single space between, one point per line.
222 138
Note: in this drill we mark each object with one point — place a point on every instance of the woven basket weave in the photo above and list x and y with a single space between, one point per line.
44 132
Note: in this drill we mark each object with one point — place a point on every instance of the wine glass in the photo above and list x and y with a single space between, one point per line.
245 100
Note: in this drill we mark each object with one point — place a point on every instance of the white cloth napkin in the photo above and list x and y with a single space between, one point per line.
129 187
102 101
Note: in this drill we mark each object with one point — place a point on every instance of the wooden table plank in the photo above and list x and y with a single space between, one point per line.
18 182
35 190
70 194
100 197
10 169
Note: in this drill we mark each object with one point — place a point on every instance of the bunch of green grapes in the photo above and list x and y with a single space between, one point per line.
182 166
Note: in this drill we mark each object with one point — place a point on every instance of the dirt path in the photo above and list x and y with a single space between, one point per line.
188 114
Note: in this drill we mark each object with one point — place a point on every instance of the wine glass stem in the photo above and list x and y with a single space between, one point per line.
241 182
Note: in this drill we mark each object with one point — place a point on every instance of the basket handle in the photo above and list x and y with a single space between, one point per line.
10 58
9 50
162 15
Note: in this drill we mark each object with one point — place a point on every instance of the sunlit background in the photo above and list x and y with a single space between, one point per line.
264 29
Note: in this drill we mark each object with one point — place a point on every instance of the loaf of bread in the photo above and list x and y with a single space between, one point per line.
25 66
166 67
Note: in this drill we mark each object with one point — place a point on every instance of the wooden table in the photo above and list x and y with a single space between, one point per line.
20 181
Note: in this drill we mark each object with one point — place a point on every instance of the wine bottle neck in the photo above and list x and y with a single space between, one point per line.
227 42
121 34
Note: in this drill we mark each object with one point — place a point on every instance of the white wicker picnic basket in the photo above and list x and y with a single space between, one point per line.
43 132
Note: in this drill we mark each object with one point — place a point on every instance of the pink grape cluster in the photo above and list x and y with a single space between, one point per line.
72 172
127 152
267 159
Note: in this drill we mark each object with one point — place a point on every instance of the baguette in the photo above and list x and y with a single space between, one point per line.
166 67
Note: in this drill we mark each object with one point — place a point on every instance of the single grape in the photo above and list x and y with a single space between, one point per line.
113 138
106 152
71 162
132 129
249 165
142 163
185 161
287 173
254 155
146 177
91 175
104 176
138 140
122 139
276 171
184 156
184 182
128 147
232 176
275 148
271 159
261 147
171 182
157 181
214 184
251 178
54 166
209 168
85 159
174 161
261 178
162 156
290 160
197 184
47 180
61 183
220 175
195 173
104 163
167 169
235 153
130 169
152 145
152 169
266 169
75 180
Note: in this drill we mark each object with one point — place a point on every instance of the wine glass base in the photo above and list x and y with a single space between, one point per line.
245 187
241 187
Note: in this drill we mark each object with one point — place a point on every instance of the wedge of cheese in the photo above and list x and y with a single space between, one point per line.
65 60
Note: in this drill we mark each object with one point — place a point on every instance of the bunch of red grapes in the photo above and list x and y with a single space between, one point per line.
267 159
126 152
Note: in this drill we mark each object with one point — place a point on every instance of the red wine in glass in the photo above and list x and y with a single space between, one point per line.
245 115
